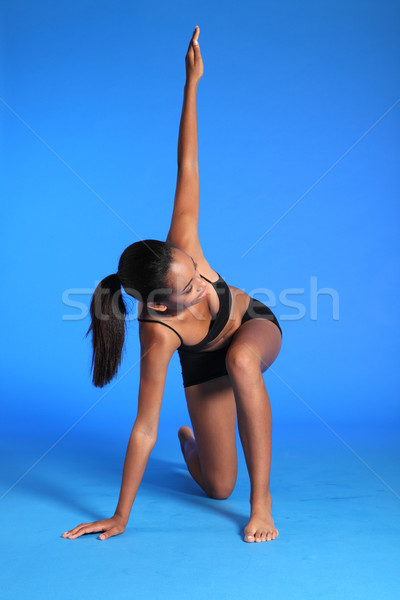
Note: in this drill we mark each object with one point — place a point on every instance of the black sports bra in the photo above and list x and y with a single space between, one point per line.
216 325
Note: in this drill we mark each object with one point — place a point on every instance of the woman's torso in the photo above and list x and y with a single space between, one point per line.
193 323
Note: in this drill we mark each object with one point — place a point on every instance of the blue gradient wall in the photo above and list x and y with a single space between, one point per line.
299 187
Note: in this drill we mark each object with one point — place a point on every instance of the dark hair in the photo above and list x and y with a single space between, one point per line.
142 271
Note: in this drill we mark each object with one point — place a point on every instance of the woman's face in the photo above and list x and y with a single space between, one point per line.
188 288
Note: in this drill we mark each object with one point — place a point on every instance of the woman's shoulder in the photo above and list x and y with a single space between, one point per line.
150 334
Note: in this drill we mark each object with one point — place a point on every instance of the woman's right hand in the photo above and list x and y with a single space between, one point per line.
110 527
193 60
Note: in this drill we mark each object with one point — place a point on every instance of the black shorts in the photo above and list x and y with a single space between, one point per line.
198 367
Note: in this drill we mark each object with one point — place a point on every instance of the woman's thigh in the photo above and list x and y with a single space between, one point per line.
212 411
254 347
212 404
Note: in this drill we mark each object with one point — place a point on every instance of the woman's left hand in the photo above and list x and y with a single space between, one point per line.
193 60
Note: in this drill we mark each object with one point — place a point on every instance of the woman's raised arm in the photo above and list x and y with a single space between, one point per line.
183 231
188 138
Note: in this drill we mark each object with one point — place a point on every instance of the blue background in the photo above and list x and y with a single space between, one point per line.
299 105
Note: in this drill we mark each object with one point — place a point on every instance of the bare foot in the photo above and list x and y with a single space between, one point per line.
261 527
184 434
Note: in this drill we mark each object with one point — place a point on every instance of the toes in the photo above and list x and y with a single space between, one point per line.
185 433
261 535
181 434
274 534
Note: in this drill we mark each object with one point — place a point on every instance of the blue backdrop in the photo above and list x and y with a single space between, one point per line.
298 118
91 101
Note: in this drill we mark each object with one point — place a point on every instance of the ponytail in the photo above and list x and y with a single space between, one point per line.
142 268
108 311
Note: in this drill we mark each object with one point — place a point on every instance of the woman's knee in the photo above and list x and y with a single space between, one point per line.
240 360
219 490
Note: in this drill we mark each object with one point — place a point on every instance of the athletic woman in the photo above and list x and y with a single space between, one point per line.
225 341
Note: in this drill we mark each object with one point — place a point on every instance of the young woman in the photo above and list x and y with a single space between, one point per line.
225 340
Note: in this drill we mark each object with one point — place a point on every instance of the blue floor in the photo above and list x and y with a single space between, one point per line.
336 507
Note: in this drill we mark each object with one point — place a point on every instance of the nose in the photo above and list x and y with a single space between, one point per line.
200 283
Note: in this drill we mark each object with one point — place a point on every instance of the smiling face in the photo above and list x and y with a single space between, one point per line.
188 288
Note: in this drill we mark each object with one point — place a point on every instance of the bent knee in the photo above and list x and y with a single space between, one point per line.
240 359
220 490
219 493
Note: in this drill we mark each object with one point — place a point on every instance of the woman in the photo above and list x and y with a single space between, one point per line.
225 340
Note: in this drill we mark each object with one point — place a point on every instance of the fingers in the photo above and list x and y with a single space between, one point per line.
195 36
106 526
110 533
74 530
194 40
83 528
